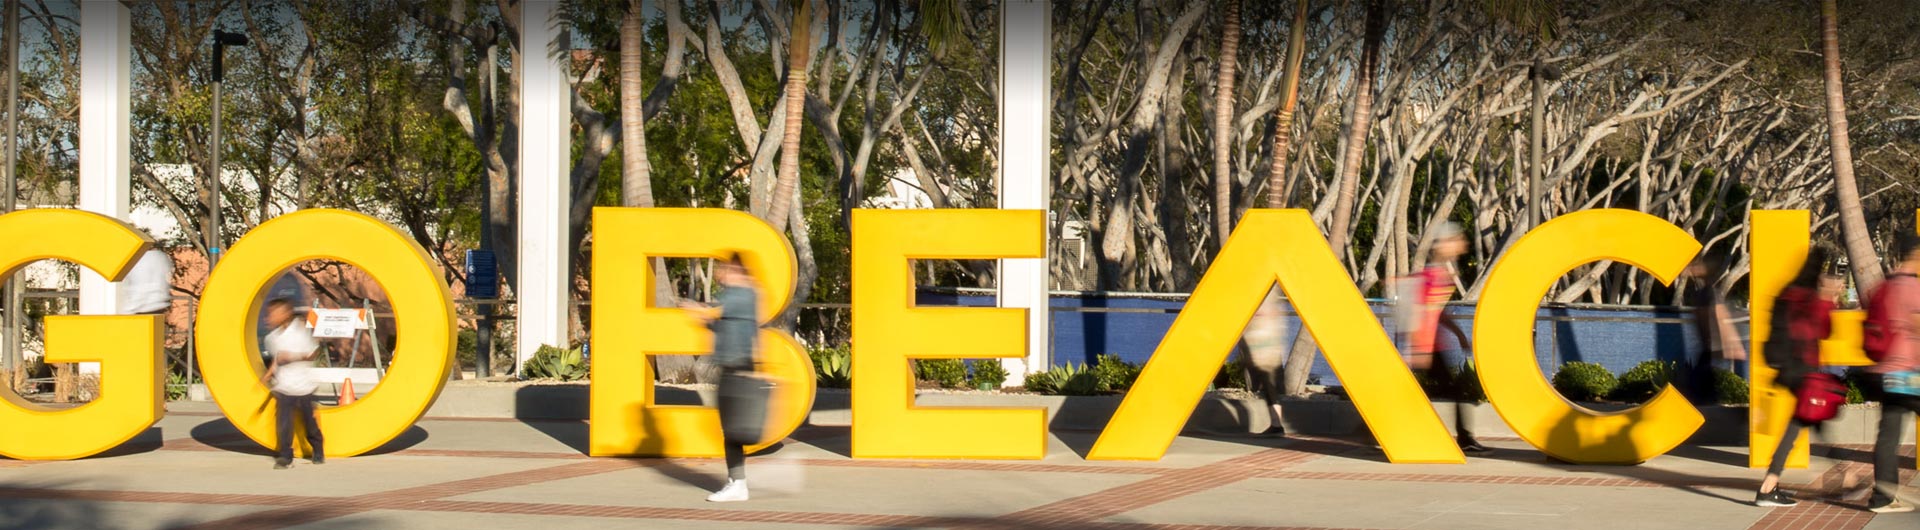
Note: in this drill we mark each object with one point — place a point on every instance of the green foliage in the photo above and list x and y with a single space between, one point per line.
1114 374
1580 381
550 362
1231 375
1729 387
1643 381
1065 380
1467 381
176 386
464 348
832 367
948 373
989 374
1854 395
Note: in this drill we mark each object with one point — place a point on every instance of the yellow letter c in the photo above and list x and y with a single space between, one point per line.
1503 326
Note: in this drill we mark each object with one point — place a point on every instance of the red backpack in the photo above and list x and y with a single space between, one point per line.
1880 331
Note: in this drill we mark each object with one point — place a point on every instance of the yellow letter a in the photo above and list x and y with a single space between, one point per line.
1282 245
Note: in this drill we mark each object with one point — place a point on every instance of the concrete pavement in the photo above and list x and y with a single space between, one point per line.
193 471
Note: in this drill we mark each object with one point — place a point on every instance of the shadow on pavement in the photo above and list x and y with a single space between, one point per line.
145 442
221 434
41 505
414 435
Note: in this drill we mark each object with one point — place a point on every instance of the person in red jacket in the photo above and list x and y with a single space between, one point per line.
1801 312
1892 373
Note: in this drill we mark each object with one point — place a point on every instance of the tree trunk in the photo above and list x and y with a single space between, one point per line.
796 94
1277 184
1853 222
636 172
1299 359
1117 236
1223 127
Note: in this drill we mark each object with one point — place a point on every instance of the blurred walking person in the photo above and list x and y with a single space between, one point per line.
1429 291
292 346
149 285
1893 316
1265 339
1800 321
1714 325
735 322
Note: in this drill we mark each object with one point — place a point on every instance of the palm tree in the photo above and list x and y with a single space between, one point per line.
799 52
1340 229
636 186
1853 222
1223 126
636 174
1283 116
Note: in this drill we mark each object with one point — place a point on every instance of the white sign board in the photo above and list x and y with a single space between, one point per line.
335 323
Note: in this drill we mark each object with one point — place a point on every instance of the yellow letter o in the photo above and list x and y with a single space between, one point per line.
1503 327
229 351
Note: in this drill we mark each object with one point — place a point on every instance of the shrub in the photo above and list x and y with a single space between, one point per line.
1854 395
1467 379
832 367
1114 374
948 373
1053 379
176 386
1231 375
989 373
1729 387
1640 383
550 362
1580 381
464 346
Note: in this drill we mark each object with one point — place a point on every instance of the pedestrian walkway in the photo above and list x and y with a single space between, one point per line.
194 471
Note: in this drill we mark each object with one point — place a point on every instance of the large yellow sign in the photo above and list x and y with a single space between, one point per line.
127 347
629 326
1270 246
422 307
888 331
1282 246
1504 323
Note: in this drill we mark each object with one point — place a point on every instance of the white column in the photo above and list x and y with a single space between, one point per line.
105 135
1026 106
544 190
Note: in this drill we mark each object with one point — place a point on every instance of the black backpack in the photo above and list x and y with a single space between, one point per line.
1782 349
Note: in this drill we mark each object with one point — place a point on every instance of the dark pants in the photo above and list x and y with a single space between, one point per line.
1894 409
1445 385
286 410
1785 448
736 453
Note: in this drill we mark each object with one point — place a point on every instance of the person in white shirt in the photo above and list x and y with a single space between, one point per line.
292 346
149 286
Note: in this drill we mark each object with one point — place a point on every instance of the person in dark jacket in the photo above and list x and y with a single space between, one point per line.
1801 311
735 322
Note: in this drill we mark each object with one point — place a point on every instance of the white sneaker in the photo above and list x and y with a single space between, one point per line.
735 491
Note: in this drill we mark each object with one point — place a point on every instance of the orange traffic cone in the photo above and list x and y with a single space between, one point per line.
346 393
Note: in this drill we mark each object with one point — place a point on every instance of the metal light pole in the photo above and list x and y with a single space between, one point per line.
221 40
10 293
1541 74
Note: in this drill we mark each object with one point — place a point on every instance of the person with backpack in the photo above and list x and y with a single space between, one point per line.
1893 316
735 321
1432 287
1800 321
